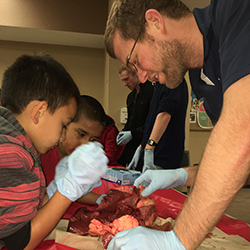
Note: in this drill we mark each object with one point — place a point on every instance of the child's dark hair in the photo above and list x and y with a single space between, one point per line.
90 108
37 77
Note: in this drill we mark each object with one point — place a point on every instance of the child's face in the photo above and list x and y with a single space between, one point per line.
79 133
52 126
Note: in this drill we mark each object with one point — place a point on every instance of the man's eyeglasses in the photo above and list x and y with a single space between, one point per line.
128 63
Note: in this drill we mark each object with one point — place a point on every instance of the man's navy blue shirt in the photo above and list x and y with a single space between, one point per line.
225 25
168 153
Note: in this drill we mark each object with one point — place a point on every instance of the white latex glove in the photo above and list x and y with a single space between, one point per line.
123 137
142 238
77 174
61 169
134 162
51 189
148 160
161 179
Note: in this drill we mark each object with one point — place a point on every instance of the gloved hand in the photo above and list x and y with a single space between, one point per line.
141 238
77 174
161 179
123 137
61 169
148 160
99 200
134 162
52 188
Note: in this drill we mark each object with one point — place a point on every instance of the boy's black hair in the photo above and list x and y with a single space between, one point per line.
91 109
37 77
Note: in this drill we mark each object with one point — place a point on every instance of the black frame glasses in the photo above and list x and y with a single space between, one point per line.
128 63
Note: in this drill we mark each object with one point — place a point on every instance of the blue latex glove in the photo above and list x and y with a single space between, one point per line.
161 179
142 238
99 200
123 137
77 174
148 160
134 162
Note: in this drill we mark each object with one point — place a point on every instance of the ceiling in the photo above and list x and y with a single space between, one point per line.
75 22
62 22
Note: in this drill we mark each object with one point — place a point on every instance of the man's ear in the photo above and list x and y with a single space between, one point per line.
155 20
39 110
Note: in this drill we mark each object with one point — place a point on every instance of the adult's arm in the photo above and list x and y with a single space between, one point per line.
223 170
192 172
160 125
47 218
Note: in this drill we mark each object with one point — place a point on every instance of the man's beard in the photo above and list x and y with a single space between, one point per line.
173 58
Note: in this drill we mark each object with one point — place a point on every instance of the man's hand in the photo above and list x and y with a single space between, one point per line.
123 137
134 162
141 238
161 179
148 160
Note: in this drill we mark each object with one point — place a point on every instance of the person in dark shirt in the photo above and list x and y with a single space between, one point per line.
163 142
138 104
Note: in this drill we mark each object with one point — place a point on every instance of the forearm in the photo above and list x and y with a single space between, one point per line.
192 172
47 218
89 199
75 175
248 181
223 171
213 191
160 125
45 199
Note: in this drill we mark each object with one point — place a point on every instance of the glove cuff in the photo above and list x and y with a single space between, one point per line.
99 200
51 189
149 152
183 176
177 243
68 187
180 177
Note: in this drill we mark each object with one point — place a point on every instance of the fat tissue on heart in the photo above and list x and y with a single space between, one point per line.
120 210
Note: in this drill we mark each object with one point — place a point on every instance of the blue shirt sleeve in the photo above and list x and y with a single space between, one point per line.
231 24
